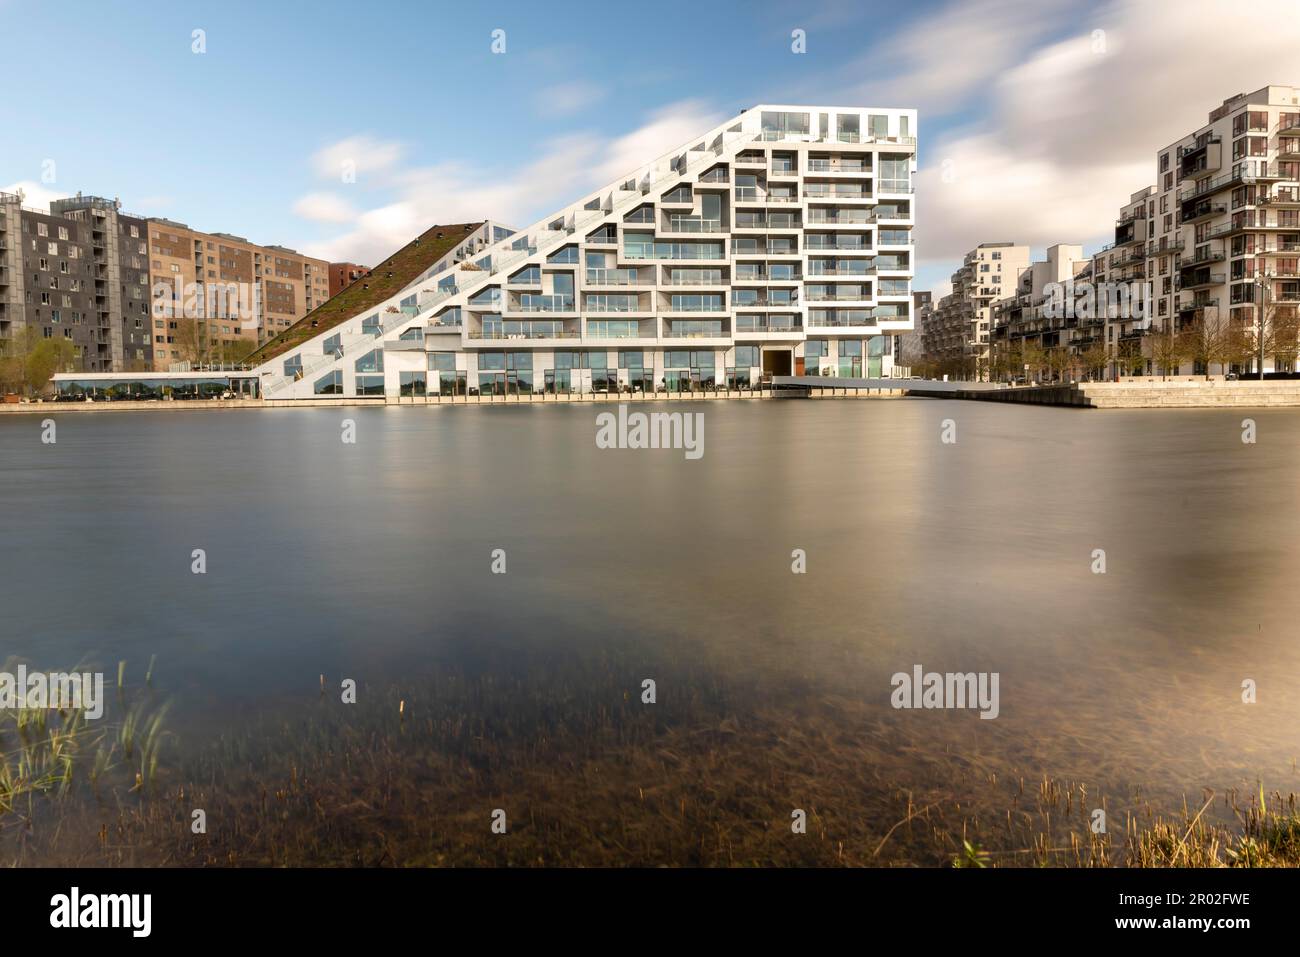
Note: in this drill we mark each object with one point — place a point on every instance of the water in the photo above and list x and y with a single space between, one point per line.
373 561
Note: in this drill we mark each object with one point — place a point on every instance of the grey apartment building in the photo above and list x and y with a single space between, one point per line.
79 272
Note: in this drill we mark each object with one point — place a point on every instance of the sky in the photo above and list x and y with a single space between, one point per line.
1037 118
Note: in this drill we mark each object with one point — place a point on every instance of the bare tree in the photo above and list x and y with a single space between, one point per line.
1168 350
1282 336
1211 341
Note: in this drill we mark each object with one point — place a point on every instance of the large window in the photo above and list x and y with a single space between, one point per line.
331 383
333 346
372 361
785 124
748 356
413 383
370 385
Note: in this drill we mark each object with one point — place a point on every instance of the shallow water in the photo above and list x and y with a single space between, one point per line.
373 561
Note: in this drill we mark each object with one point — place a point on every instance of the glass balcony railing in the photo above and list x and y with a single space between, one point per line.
553 303
694 224
616 277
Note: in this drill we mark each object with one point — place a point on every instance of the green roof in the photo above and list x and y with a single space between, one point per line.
386 280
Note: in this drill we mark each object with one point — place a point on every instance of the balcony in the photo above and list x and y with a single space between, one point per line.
1202 280
830 166
812 192
605 305
1202 258
1276 249
617 277
782 221
1197 303
497 335
1201 159
702 278
551 303
764 303
1195 212
1289 199
693 224
1176 246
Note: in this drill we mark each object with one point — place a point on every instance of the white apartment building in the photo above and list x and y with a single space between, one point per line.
776 243
1220 230
1026 315
958 333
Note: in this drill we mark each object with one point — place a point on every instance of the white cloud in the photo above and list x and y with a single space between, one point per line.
360 155
566 99
36 195
325 208
414 198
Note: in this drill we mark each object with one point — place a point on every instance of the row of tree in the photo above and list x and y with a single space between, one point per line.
1214 342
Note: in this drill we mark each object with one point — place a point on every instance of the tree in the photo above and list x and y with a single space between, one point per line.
1059 362
1168 350
1095 358
1129 359
1211 341
1035 358
29 360
1282 337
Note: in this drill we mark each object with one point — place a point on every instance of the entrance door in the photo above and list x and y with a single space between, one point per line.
777 362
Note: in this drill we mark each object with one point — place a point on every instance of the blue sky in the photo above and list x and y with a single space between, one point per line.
246 137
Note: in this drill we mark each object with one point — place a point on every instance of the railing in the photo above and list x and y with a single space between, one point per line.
615 277
825 166
752 326
707 279
692 224
530 334
552 303
612 307
812 246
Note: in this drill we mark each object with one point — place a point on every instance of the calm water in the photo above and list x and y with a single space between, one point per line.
372 561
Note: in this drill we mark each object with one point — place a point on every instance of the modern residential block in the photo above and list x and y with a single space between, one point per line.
239 294
77 272
1218 235
958 331
1026 317
779 242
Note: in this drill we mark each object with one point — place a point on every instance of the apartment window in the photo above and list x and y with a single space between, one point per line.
785 124
878 126
1164 162
331 383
